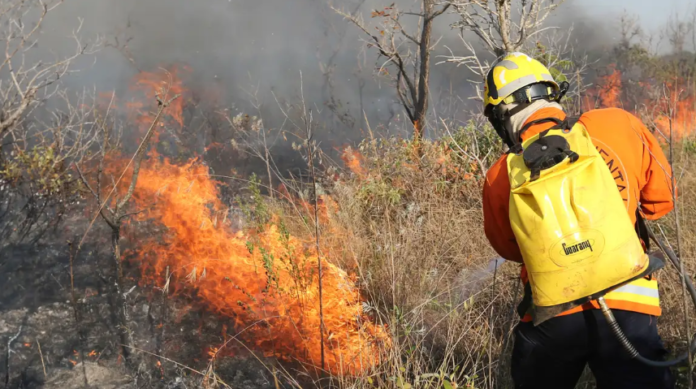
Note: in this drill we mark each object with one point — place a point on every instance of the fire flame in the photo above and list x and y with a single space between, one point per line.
266 282
353 161
677 114
165 85
670 108
609 91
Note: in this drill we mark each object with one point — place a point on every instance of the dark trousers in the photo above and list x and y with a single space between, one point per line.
554 354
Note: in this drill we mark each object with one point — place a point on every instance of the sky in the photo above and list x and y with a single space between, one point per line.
652 13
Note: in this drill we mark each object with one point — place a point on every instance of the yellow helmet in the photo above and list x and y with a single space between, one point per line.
512 73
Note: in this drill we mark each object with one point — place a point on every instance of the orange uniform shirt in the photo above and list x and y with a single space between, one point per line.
632 154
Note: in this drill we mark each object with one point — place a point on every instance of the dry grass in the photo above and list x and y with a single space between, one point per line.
411 229
672 324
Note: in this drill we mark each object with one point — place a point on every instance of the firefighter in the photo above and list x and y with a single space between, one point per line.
521 100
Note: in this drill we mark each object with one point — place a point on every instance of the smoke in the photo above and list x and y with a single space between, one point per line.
239 44
264 46
243 44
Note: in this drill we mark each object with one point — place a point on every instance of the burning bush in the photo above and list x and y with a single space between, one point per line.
264 282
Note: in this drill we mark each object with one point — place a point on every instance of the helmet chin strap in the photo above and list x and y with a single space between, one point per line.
500 120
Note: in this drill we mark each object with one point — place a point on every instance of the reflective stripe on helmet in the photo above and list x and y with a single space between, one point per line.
517 84
507 64
546 77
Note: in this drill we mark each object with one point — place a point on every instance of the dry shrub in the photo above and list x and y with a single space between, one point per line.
408 223
672 323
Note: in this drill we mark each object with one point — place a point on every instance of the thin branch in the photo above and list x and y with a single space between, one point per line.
9 353
140 153
106 218
84 181
310 156
497 26
441 11
17 112
43 365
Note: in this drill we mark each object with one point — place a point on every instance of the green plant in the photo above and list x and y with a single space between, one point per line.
379 190
556 65
254 206
42 168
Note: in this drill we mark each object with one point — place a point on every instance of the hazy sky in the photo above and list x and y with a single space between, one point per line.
264 44
652 13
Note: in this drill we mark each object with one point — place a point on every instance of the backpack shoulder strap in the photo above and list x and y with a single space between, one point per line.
571 121
524 128
642 229
568 123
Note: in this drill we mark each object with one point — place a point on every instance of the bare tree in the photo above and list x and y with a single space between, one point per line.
677 31
36 184
630 29
506 26
407 53
500 27
327 66
37 145
114 210
28 82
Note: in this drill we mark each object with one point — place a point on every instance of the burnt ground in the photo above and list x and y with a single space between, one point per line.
38 324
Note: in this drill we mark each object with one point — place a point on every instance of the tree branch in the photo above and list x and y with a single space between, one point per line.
17 112
139 154
107 219
9 353
441 11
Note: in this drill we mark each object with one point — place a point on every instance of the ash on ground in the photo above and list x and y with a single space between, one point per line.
42 347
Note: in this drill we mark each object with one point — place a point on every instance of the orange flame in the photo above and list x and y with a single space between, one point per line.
610 95
265 283
353 160
672 111
607 91
165 85
678 114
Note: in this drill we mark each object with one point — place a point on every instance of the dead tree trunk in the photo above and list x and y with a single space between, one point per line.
120 308
421 104
412 72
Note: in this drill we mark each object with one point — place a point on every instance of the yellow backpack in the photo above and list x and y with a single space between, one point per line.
569 219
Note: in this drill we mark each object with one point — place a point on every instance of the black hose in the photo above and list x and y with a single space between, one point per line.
616 329
628 346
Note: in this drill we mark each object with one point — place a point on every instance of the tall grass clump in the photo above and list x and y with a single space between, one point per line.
407 223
